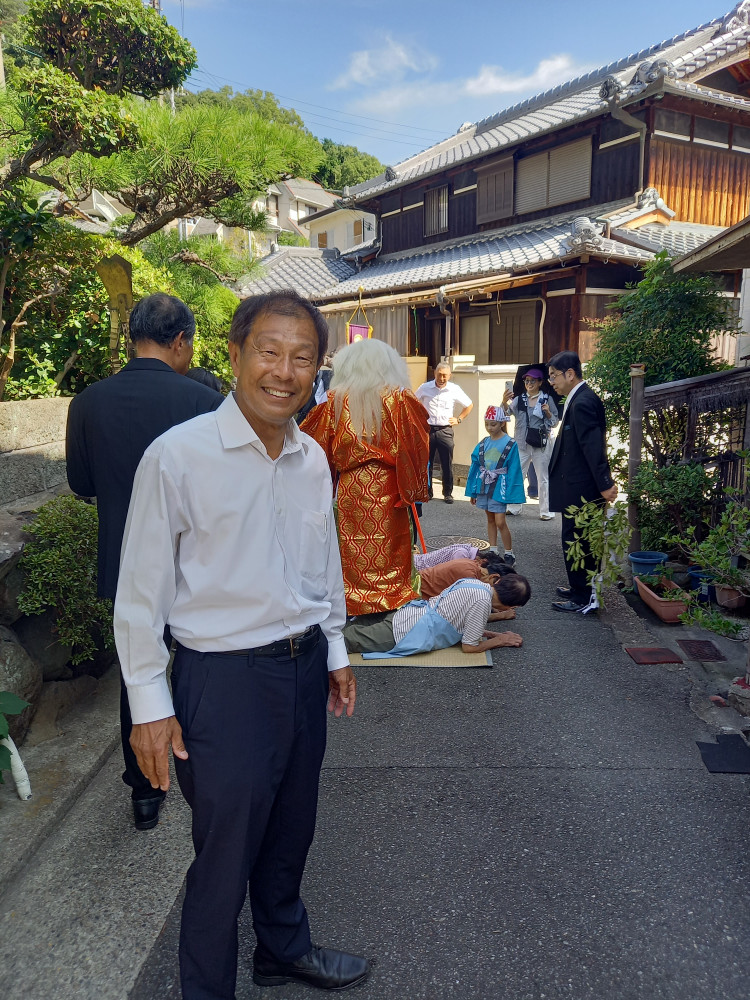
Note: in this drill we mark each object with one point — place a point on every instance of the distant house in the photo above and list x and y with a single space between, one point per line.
341 228
287 205
507 240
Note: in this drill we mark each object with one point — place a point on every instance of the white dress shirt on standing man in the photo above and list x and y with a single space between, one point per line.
209 484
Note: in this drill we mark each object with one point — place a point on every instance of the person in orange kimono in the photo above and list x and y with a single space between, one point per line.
374 433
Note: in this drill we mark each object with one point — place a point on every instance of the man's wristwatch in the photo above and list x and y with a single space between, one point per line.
458 419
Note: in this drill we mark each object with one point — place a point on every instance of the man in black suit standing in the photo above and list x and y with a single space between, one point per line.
110 425
579 469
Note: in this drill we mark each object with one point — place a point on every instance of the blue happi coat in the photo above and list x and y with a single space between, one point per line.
505 484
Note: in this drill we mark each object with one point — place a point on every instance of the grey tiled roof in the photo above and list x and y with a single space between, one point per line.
676 238
309 272
506 251
692 55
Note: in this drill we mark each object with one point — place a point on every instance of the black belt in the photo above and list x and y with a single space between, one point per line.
295 645
439 427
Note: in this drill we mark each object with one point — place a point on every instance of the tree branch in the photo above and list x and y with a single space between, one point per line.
190 257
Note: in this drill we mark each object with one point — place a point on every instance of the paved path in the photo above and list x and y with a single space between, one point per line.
542 829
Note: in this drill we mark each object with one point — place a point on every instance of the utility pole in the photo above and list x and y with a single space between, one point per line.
156 4
2 67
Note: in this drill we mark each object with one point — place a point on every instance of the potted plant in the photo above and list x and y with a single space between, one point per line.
663 596
719 552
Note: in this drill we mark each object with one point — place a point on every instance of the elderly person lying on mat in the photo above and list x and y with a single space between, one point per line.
459 614
513 590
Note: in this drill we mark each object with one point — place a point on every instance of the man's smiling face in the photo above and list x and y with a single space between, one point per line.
275 370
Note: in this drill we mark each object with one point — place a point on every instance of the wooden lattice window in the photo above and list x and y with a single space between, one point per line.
436 211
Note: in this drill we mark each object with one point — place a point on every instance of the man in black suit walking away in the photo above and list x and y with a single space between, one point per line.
110 425
579 469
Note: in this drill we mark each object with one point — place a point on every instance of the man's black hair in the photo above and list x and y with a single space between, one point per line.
564 360
161 318
513 590
285 302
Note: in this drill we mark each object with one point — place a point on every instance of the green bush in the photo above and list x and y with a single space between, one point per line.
670 499
60 563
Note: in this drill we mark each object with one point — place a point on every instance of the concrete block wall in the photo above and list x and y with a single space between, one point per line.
32 446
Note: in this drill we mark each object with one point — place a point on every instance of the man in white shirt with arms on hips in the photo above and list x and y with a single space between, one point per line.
440 397
230 540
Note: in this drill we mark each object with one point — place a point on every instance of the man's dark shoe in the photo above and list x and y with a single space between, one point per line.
564 592
448 499
323 968
146 811
572 606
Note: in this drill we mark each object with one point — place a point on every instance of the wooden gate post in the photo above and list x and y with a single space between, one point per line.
637 377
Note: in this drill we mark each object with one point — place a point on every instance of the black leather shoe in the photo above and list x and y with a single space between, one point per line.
572 606
146 812
323 968
564 592
447 499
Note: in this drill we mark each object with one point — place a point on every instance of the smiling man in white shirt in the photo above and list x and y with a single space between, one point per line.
440 398
230 540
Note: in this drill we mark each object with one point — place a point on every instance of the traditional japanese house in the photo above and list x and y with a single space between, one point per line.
507 240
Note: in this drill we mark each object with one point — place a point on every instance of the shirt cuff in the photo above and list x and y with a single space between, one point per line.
150 702
338 656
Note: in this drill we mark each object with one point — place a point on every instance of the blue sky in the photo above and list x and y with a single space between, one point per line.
394 76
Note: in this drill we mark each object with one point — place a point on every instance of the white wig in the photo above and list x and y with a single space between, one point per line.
363 373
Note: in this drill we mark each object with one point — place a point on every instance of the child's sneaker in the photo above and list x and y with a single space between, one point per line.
509 559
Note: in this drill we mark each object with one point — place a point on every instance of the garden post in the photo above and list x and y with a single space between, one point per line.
637 383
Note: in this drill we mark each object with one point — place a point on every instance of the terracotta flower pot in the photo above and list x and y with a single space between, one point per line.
728 597
668 611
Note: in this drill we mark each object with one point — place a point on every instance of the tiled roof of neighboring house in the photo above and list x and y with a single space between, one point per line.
309 191
324 274
681 61
676 238
100 228
505 251
309 272
362 249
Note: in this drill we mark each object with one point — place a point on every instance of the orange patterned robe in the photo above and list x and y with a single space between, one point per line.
376 485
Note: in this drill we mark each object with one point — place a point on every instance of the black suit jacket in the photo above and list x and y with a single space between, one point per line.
110 425
579 467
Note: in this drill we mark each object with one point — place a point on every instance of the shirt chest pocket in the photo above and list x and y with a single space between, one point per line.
313 549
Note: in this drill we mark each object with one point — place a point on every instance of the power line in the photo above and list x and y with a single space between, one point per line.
350 114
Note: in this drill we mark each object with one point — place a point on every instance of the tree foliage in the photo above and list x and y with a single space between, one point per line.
207 160
667 321
62 342
345 165
199 268
259 102
93 53
118 46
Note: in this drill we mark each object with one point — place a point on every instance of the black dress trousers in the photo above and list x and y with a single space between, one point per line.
255 731
441 443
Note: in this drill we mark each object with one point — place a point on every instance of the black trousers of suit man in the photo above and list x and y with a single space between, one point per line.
255 731
441 444
578 472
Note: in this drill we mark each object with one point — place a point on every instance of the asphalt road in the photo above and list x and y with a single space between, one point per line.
544 829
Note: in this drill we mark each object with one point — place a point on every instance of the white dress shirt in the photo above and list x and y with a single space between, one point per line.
228 547
440 403
572 393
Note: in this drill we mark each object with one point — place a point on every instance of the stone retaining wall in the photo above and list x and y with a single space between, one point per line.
32 446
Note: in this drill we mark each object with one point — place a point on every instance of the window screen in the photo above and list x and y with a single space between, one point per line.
495 192
436 211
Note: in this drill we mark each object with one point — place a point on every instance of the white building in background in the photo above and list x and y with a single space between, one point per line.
287 205
341 228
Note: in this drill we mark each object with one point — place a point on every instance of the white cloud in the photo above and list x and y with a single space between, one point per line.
392 60
495 80
489 81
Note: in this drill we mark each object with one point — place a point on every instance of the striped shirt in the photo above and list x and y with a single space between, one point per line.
466 609
448 552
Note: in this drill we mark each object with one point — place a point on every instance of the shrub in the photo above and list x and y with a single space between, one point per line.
60 563
670 499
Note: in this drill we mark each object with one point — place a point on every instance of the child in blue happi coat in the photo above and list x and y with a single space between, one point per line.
495 478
